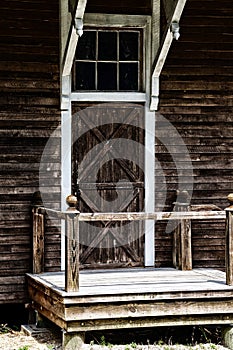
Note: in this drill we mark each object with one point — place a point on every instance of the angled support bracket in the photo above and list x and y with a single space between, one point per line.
171 32
77 10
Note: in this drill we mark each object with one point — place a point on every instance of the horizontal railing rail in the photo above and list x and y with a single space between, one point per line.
135 216
183 215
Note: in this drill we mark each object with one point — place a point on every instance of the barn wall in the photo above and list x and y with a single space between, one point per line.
196 97
134 7
29 112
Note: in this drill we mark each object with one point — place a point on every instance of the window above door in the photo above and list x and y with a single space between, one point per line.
109 60
112 59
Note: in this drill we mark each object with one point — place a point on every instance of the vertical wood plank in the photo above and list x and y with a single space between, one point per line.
38 241
229 242
74 340
72 254
186 248
182 246
72 246
176 246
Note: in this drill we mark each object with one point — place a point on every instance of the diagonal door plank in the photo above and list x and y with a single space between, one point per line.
103 232
101 138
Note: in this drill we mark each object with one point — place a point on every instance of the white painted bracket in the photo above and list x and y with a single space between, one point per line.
79 26
172 31
75 31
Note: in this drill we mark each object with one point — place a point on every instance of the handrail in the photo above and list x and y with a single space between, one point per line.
182 256
135 216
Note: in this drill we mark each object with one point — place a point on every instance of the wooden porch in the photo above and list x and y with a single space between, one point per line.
80 301
130 298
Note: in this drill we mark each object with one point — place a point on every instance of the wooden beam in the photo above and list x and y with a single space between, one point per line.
229 241
200 215
72 246
229 246
163 51
72 340
38 241
182 250
134 216
77 12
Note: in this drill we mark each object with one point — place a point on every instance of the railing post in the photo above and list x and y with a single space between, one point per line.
229 241
182 247
72 246
38 234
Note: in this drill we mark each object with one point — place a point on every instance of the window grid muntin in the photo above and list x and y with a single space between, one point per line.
117 62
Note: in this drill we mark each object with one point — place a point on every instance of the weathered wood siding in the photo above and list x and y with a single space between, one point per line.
196 97
29 112
134 7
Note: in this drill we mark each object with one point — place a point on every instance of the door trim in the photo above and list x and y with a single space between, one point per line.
149 171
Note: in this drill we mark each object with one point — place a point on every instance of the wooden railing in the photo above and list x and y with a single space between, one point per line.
182 256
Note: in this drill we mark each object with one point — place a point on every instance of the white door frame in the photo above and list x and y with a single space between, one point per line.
66 132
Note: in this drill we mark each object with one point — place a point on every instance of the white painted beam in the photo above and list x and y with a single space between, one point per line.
149 170
72 40
149 248
66 169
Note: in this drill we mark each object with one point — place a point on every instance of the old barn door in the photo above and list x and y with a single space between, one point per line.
108 176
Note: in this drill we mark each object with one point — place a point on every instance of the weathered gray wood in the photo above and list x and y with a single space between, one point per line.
135 216
72 246
152 322
38 241
127 298
227 336
73 341
136 7
123 285
109 242
182 256
182 247
138 309
72 254
229 246
29 100
229 242
200 215
190 100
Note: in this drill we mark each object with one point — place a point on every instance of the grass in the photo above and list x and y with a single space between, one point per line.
4 328
177 338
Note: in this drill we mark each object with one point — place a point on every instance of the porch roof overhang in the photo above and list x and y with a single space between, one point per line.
70 35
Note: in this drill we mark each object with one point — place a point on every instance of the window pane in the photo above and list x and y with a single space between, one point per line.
128 76
107 46
86 48
128 46
85 76
107 76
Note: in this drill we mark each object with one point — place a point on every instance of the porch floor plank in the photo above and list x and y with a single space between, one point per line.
141 280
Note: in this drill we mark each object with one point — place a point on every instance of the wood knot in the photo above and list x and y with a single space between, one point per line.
132 308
